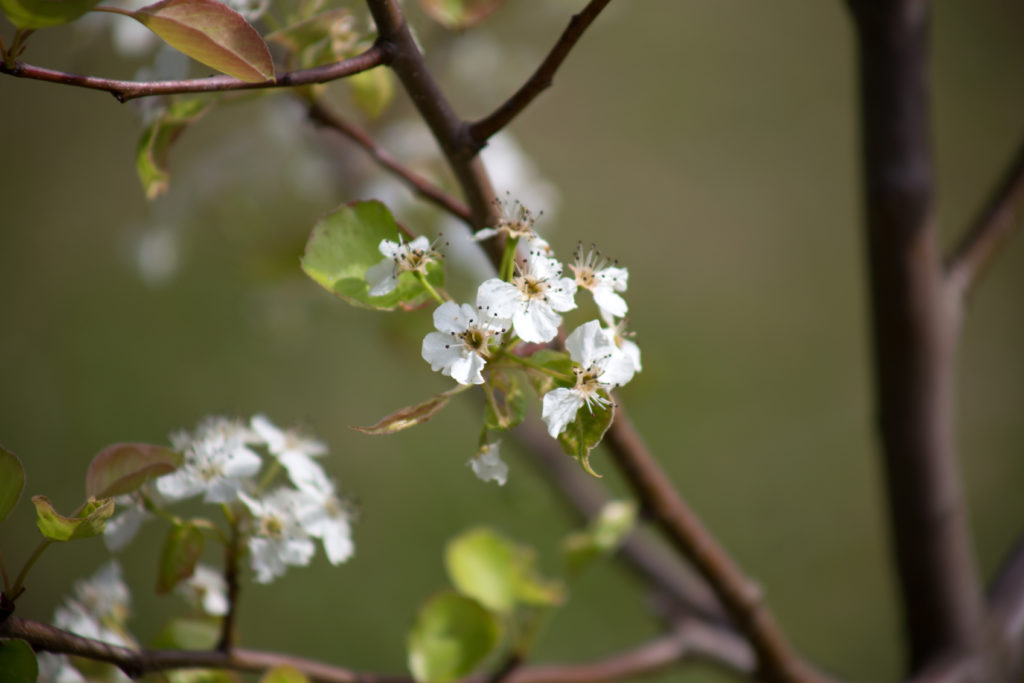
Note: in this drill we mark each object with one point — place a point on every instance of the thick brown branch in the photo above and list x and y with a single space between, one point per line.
914 329
480 131
417 183
777 661
989 230
128 90
691 640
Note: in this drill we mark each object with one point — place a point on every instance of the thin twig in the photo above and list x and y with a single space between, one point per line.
989 230
375 56
417 183
480 131
691 640
232 553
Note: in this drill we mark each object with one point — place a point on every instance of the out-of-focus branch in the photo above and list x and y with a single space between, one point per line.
480 131
232 553
914 333
691 640
320 114
989 230
375 56
777 660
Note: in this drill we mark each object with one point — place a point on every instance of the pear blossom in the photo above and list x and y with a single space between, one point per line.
207 590
294 451
603 280
325 516
533 299
57 669
516 221
616 333
278 537
122 528
602 367
400 257
488 465
459 348
100 607
218 462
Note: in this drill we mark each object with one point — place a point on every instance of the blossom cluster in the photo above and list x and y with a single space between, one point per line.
279 522
524 307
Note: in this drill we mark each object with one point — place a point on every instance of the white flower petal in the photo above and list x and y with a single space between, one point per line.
498 297
382 278
559 409
536 323
466 370
608 300
488 465
440 350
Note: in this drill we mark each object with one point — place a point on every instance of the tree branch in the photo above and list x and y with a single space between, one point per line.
914 330
417 183
777 661
128 90
480 131
690 641
989 230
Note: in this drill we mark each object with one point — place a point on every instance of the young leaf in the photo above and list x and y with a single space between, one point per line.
89 523
284 674
411 416
124 467
510 400
18 662
182 548
212 33
12 481
195 633
556 361
496 572
452 635
460 14
344 245
372 91
44 13
586 431
314 40
602 536
156 140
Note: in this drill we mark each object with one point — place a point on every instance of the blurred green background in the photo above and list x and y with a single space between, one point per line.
710 146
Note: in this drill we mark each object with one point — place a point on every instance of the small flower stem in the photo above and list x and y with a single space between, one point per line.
508 259
491 401
427 286
20 579
3 571
271 473
539 368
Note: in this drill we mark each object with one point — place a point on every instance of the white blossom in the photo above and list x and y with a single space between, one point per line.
533 299
57 669
602 366
399 257
99 608
603 280
488 465
218 462
459 348
122 528
516 221
206 589
325 516
293 450
278 538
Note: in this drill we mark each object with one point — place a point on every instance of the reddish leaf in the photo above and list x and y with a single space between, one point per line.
182 548
410 416
213 34
460 14
124 467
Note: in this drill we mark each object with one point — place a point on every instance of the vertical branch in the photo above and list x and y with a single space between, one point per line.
232 553
914 331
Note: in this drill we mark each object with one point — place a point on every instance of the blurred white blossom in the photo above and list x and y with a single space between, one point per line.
206 590
488 465
218 462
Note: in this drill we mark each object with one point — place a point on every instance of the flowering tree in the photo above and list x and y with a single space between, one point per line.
522 334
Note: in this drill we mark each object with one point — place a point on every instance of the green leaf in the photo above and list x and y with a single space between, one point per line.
188 634
44 13
157 138
90 521
372 91
586 431
284 674
12 481
460 14
182 548
452 635
123 467
496 572
556 361
211 33
315 40
18 662
344 245
510 400
604 534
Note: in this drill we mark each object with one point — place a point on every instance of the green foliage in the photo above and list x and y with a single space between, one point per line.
411 416
509 400
188 634
460 14
496 572
123 467
33 14
452 635
90 520
12 481
182 548
284 674
157 138
604 534
211 33
557 362
587 430
315 40
18 662
372 91
344 245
